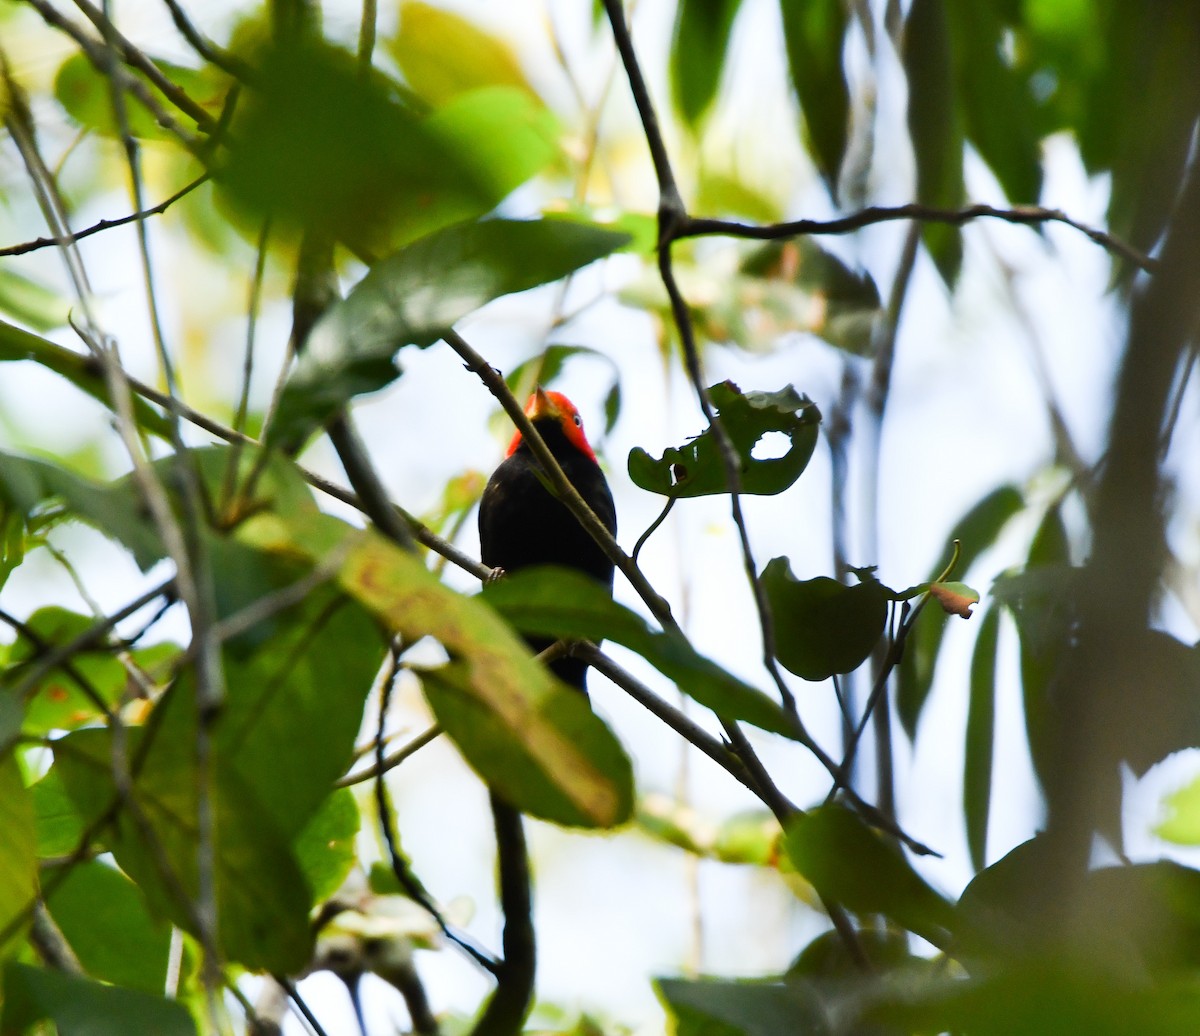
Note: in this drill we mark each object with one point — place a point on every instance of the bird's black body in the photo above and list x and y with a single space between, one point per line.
521 523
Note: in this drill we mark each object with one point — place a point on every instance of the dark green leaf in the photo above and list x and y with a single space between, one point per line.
695 469
1162 715
981 720
823 627
262 898
557 602
107 922
725 1007
815 31
59 825
414 297
975 532
18 850
997 100
702 29
495 700
935 125
852 864
85 1008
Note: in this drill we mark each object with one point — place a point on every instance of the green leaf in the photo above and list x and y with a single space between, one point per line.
494 700
852 864
935 125
815 31
975 532
1181 815
414 297
325 848
823 627
444 55
981 720
31 302
18 851
728 1007
560 603
702 29
108 924
997 100
695 469
262 898
79 1006
87 97
81 371
29 485
59 825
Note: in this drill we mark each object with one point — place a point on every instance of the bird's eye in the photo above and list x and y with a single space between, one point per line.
578 421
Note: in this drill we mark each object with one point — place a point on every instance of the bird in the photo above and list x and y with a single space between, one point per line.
522 523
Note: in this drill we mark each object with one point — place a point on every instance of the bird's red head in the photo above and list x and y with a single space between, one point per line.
554 406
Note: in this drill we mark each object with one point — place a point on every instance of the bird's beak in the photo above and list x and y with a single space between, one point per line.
541 405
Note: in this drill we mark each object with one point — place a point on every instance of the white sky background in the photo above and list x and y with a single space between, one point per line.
964 415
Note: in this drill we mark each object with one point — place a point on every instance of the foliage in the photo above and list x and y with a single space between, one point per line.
196 777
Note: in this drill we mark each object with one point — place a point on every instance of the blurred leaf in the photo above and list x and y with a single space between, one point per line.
87 97
827 958
443 55
935 125
325 848
59 825
414 297
1180 821
815 31
852 864
975 532
543 368
561 603
702 29
1042 602
980 740
31 302
58 701
823 627
997 100
18 851
79 1006
729 1007
1162 716
262 898
695 469
81 371
532 738
105 918
29 485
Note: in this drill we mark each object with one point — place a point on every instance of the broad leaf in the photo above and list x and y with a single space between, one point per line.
695 469
262 898
105 918
443 55
1180 821
31 302
852 864
556 602
325 848
494 699
823 627
414 297
815 31
79 1005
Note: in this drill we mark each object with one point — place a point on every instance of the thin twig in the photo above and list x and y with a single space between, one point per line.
104 224
390 762
1025 215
